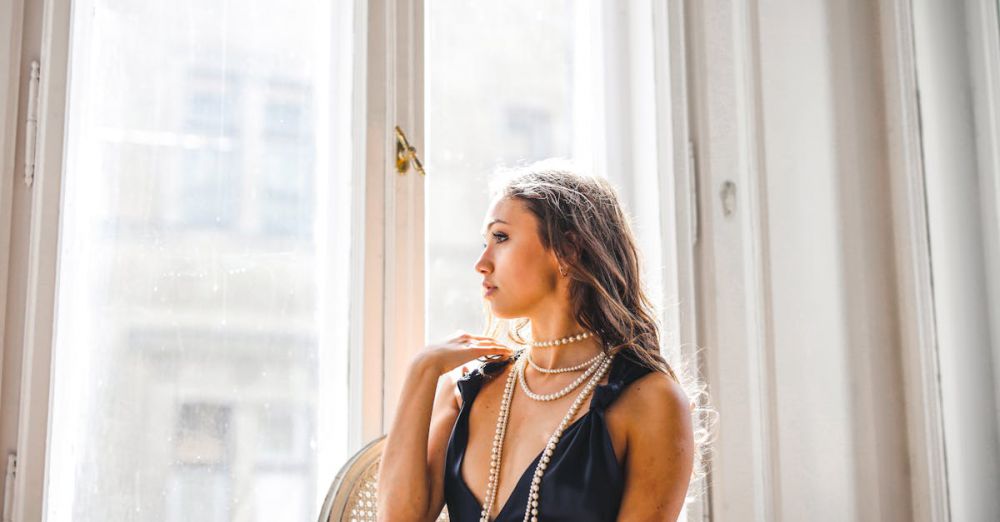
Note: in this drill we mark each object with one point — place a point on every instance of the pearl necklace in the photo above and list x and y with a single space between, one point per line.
557 342
572 386
531 509
563 370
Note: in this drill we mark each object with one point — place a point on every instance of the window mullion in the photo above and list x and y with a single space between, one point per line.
36 369
393 218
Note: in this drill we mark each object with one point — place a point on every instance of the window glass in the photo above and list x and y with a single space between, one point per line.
201 324
500 92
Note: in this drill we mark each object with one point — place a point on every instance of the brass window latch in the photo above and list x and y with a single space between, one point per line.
405 153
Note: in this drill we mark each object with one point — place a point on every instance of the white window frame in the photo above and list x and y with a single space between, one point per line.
726 147
394 309
33 412
11 15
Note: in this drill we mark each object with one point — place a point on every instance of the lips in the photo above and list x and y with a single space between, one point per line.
488 289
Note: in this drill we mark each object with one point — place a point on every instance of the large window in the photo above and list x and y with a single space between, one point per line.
198 359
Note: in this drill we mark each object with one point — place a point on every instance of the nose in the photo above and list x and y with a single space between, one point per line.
484 265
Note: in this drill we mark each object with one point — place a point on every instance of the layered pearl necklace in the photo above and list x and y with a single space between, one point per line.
594 365
578 367
598 367
557 342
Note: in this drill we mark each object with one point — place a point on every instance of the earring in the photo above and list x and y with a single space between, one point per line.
562 271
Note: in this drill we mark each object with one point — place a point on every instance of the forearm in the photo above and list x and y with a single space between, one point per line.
404 485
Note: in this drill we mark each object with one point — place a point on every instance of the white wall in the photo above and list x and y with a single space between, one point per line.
958 260
800 312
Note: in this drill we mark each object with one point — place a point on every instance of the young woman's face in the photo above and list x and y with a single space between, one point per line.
518 274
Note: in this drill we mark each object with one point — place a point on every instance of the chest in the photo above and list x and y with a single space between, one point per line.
529 427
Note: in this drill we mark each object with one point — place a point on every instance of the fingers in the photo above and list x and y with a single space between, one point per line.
481 343
482 347
461 335
491 349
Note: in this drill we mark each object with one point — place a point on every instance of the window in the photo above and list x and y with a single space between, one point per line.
192 344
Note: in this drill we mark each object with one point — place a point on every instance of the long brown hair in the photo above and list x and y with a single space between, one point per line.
581 219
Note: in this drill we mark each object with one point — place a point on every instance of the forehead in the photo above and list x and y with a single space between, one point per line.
507 211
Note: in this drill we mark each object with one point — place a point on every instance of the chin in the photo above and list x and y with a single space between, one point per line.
501 312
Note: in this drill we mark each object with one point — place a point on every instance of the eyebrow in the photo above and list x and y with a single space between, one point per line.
494 222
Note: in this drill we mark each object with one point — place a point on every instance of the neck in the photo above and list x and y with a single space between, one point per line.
566 355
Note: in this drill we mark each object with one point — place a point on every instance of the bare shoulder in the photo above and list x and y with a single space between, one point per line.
655 401
659 454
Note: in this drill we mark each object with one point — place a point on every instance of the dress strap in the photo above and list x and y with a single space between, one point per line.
624 370
470 383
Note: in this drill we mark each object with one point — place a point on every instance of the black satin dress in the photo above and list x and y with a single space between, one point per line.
583 481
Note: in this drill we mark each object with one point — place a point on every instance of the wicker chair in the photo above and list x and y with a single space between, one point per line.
352 496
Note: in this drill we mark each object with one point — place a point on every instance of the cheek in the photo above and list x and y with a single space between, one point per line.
526 271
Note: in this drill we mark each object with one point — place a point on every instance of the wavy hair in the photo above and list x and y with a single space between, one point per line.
581 220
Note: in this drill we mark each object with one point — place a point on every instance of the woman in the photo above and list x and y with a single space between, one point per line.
586 423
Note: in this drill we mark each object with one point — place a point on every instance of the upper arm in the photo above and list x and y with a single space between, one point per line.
447 402
660 451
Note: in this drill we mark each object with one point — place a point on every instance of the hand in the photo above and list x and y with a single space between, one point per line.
461 348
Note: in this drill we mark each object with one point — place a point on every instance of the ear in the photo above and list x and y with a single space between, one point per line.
568 254
571 253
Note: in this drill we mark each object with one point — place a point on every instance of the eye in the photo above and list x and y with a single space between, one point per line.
500 237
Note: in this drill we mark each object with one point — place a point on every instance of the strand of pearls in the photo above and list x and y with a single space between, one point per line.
566 369
531 509
557 342
497 450
556 395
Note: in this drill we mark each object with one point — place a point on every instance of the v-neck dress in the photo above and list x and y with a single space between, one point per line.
583 481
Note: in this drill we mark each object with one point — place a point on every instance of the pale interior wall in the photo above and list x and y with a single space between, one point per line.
839 413
958 259
831 372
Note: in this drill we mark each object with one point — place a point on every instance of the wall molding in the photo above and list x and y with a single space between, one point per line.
983 19
928 482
